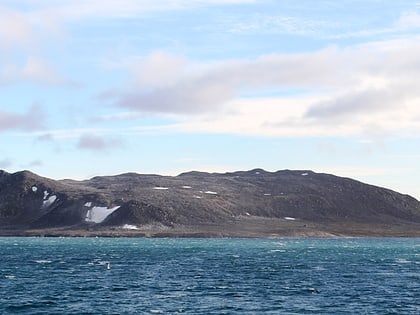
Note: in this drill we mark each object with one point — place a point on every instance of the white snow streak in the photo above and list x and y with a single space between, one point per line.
49 201
98 214
130 227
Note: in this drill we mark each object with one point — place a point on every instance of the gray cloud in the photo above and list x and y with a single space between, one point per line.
97 143
34 119
354 104
186 97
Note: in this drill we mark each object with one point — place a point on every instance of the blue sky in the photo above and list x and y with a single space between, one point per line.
100 87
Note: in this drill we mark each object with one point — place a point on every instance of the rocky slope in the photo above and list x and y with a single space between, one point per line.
248 203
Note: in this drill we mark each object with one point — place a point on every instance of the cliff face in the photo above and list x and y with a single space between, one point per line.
28 201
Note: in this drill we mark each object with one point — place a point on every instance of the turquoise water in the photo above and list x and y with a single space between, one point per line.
209 276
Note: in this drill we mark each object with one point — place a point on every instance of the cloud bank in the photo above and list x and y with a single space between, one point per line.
341 91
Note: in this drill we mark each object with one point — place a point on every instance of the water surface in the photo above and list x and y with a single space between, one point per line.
209 276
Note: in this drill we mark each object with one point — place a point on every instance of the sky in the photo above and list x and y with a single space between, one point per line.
102 87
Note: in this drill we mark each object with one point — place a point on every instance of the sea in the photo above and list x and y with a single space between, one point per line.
209 276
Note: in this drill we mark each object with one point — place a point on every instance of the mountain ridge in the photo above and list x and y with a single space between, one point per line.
242 203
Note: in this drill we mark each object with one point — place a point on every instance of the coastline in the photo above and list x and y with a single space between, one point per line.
243 228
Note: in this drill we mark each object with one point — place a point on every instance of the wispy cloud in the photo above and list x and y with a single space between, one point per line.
15 29
34 119
34 70
77 9
259 23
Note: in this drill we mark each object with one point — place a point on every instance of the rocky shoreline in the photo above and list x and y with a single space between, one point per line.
245 228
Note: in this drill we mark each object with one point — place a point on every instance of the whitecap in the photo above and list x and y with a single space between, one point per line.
277 251
280 243
43 261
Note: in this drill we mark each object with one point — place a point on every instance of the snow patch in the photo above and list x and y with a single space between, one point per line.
130 227
247 213
186 187
290 218
160 188
257 173
209 192
267 194
46 193
34 188
49 201
88 204
304 174
98 214
197 197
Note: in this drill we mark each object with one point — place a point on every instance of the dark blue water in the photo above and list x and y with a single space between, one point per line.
209 276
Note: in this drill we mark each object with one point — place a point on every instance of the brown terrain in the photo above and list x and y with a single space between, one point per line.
252 203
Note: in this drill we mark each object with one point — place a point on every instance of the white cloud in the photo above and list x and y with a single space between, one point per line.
359 88
408 20
205 87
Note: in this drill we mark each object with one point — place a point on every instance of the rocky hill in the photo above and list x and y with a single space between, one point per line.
247 203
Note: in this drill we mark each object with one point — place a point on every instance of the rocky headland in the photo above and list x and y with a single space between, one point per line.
253 203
